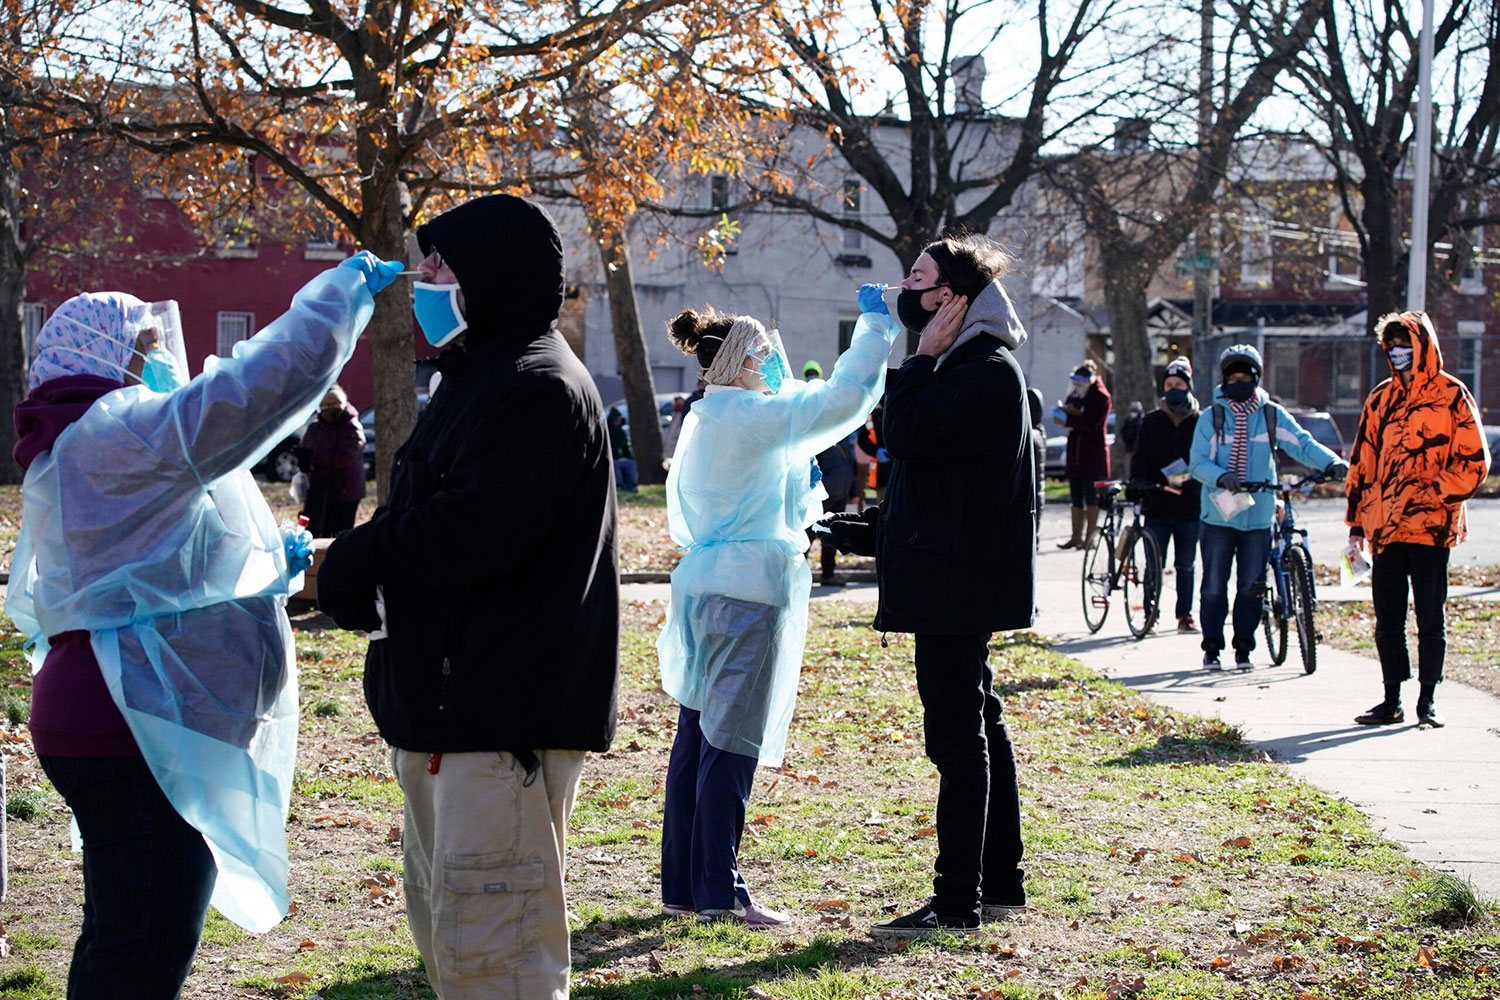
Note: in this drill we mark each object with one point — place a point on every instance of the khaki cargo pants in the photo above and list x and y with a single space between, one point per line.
484 871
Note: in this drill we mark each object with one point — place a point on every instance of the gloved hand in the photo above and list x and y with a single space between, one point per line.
881 455
853 533
1229 481
378 273
298 545
1337 471
872 300
346 594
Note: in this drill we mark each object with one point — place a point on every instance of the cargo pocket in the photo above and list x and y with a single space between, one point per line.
483 912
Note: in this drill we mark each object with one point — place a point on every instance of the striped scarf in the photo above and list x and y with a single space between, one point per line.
1239 447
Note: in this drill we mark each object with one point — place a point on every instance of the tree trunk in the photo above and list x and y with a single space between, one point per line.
1125 283
631 355
12 294
1385 271
392 358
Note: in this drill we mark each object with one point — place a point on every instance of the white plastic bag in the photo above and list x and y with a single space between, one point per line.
298 488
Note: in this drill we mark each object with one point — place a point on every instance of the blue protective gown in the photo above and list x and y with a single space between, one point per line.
142 525
740 496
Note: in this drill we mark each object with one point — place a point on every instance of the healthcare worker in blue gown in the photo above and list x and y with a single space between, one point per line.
742 489
151 580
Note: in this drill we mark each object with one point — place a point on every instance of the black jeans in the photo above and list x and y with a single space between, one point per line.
1184 537
1426 567
979 805
147 879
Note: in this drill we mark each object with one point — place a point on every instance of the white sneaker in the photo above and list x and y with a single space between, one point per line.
676 910
754 915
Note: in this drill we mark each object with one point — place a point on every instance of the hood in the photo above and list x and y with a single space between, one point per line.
991 312
51 408
507 256
1427 358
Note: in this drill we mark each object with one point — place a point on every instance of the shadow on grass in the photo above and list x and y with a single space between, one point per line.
1010 687
307 618
408 984
1215 744
717 981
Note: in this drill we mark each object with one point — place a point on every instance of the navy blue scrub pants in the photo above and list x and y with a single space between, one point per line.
706 794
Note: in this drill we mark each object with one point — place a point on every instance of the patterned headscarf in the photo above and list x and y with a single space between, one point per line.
90 334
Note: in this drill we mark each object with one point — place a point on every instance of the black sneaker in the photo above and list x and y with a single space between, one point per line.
1428 717
1002 909
831 581
1384 714
923 923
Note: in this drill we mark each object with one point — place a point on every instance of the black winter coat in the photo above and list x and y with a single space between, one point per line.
1160 442
495 549
956 535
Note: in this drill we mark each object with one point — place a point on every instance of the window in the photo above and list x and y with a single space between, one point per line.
1284 369
1255 247
853 238
846 334
1471 281
1465 363
1347 390
33 315
237 239
718 192
1343 251
233 328
323 245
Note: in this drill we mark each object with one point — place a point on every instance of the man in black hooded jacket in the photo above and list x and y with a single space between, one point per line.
490 582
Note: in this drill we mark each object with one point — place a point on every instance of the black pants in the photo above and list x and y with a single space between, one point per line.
979 806
147 879
1426 567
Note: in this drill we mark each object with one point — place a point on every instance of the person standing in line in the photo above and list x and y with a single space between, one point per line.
490 582
1166 441
1418 455
870 438
741 492
840 478
1085 414
332 453
619 448
1236 526
1130 430
955 547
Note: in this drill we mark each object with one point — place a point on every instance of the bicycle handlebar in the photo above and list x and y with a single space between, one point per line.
1308 480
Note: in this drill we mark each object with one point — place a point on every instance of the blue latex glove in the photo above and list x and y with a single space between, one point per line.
881 455
378 273
817 474
872 299
298 543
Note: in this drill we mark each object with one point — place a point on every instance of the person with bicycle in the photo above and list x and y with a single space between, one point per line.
1166 436
1231 449
1418 455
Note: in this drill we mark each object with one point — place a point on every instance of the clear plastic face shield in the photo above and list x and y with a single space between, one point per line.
770 358
155 332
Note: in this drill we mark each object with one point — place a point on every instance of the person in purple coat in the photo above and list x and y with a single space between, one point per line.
1087 412
332 454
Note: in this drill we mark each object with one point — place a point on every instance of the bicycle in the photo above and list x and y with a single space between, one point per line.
1289 565
1122 557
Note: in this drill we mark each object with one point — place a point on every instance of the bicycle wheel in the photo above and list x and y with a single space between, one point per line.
1299 569
1096 574
1273 618
1140 578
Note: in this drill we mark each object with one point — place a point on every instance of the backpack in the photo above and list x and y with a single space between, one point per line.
1270 409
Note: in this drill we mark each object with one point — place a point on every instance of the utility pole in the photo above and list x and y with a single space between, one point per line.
1416 273
1204 262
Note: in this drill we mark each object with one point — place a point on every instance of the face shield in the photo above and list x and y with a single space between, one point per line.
167 320
151 331
770 355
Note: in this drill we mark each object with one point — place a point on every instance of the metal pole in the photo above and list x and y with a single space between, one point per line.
1203 241
1416 274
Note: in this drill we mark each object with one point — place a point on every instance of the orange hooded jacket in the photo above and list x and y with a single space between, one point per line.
1419 452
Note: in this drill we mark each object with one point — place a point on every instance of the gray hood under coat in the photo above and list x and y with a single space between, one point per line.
993 313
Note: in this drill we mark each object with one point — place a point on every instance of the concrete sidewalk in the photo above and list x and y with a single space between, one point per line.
1437 790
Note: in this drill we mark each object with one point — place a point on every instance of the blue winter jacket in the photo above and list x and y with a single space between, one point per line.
1210 459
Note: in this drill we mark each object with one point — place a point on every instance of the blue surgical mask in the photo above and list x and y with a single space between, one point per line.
437 312
1239 391
773 371
1400 358
161 373
1175 397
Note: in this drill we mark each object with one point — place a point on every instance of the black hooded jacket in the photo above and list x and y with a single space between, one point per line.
495 549
956 534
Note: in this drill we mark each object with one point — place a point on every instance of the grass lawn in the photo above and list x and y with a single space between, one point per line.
1165 858
1472 628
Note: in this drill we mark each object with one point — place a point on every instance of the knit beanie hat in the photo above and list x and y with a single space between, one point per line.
1179 367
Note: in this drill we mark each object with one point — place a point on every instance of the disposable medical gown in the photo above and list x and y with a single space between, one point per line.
740 496
143 526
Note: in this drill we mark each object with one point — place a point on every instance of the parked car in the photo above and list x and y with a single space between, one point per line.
1324 431
1492 435
664 407
280 464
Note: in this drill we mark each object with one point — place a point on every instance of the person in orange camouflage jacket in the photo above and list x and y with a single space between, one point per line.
1418 455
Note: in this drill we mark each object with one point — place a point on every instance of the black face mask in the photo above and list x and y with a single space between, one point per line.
909 309
1239 391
